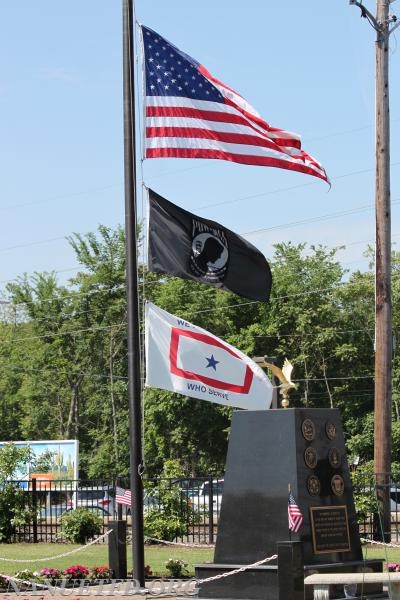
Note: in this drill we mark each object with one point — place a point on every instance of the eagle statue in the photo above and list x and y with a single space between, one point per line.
284 375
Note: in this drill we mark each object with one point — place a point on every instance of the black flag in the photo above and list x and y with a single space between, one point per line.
185 245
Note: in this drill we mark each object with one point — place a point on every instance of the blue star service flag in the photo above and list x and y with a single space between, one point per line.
184 358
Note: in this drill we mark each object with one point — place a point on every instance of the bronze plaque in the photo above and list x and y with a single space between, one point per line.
310 457
337 485
330 529
313 485
330 430
334 458
308 429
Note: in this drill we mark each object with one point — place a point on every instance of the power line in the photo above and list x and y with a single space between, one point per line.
123 378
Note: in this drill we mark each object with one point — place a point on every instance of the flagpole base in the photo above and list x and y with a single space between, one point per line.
117 555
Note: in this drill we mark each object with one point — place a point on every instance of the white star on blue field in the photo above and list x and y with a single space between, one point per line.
212 362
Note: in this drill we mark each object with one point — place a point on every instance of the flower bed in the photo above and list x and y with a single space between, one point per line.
24 578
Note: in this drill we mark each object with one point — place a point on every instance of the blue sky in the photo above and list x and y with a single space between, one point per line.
308 67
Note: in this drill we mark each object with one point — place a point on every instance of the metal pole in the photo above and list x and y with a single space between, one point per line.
383 302
134 387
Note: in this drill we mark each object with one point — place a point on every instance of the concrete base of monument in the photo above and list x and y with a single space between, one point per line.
254 583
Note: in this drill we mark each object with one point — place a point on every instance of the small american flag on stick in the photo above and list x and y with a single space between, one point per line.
123 496
294 514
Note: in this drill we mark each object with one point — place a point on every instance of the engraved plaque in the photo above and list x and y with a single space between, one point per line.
308 429
330 529
337 485
330 430
310 457
334 458
313 485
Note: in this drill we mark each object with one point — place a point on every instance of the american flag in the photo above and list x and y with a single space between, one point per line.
190 114
294 515
123 496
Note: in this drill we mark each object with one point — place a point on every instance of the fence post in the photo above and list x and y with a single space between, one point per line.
211 513
117 549
119 506
34 509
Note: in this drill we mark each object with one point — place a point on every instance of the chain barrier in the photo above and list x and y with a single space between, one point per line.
34 560
81 548
236 571
184 544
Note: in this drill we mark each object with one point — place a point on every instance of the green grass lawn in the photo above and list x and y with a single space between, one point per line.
388 555
37 556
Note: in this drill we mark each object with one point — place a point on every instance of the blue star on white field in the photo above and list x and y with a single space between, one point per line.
212 362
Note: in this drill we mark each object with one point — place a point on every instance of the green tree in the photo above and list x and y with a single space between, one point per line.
177 513
63 360
101 304
303 321
14 508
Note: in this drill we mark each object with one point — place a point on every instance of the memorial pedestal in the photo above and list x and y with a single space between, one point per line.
268 452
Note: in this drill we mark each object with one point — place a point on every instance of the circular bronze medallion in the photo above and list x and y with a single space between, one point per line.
313 485
308 429
334 458
310 457
330 430
337 485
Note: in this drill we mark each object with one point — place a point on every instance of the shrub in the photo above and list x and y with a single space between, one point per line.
176 567
163 526
174 514
79 525
27 575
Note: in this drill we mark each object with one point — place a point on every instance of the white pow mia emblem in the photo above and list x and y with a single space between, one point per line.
209 254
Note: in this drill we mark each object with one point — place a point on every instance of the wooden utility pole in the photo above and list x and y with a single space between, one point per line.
383 297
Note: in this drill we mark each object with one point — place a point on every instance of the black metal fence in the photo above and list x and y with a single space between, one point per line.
370 521
199 502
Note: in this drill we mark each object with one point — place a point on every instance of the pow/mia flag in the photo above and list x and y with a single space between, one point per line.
185 245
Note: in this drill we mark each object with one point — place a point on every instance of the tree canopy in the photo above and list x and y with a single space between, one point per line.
63 356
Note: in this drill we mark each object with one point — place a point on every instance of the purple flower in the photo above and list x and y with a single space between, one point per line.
48 572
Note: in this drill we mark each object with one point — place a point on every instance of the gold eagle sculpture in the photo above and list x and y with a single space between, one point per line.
284 375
